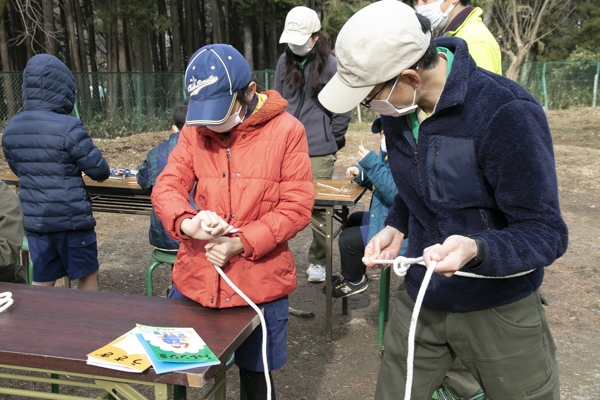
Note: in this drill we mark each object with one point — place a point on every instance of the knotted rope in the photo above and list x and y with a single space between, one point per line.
401 266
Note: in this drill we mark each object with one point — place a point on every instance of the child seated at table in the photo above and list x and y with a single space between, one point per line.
48 150
373 172
155 162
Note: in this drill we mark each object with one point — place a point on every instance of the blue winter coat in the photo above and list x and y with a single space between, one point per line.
48 150
374 173
483 166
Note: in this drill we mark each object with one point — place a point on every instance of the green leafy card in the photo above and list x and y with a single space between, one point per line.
181 345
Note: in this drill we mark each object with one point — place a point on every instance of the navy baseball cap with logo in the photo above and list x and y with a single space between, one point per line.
214 75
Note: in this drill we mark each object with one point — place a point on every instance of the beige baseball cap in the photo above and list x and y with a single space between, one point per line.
300 23
376 44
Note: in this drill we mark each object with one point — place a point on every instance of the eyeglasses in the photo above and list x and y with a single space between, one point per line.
367 103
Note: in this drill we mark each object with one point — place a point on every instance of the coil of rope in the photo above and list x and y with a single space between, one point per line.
401 266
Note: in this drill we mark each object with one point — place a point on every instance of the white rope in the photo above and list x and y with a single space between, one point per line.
6 300
263 323
401 266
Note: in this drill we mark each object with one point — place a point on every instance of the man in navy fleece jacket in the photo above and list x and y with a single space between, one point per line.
471 154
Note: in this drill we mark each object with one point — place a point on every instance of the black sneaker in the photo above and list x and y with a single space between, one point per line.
343 288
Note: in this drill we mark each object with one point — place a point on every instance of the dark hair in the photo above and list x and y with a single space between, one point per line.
179 113
316 62
241 94
465 2
431 57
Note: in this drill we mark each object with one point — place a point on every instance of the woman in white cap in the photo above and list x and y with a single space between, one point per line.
302 71
249 161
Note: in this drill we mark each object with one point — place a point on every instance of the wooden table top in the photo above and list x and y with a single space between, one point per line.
55 328
327 193
337 193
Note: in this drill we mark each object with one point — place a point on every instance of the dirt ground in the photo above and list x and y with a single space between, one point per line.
347 368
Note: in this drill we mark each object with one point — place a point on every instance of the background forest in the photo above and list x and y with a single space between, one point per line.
128 55
160 35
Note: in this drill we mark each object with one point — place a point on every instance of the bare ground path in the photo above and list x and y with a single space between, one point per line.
347 368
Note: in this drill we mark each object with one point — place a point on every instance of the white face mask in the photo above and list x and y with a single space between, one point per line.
301 50
384 107
233 120
383 148
434 14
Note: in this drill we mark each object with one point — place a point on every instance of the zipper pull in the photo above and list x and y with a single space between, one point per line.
416 157
228 152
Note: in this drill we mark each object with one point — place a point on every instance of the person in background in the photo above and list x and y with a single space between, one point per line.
470 200
155 162
302 71
373 172
249 161
11 237
48 150
458 18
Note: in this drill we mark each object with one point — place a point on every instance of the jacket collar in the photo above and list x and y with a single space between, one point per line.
463 66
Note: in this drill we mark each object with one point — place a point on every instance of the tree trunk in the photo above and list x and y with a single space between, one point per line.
64 37
516 62
203 40
195 31
122 57
248 46
80 24
260 46
217 36
176 38
162 46
273 40
91 30
225 7
9 93
112 44
71 36
50 41
149 81
189 36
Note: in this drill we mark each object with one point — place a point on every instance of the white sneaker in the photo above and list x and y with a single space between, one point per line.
316 273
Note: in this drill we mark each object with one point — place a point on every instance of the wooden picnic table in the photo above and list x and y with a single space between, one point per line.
52 330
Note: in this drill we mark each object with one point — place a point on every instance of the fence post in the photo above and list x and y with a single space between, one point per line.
266 80
545 92
139 99
184 92
76 110
358 114
595 93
